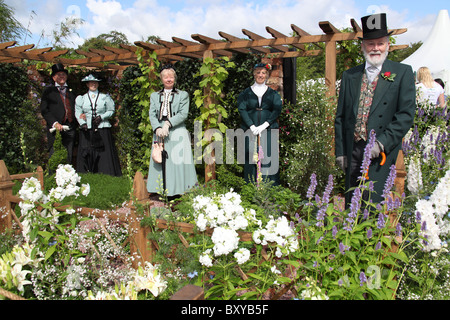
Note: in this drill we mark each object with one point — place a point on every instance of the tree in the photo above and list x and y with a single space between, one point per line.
64 30
112 39
10 28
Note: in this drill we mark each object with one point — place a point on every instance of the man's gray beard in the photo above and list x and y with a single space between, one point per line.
378 64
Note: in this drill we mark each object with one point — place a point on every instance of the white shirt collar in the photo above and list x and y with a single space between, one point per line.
259 89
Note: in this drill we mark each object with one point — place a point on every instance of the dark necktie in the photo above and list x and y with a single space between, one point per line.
68 116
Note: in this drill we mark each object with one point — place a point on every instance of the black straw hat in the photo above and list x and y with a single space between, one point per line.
57 68
374 26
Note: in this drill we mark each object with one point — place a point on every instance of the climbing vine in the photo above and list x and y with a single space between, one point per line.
148 82
209 97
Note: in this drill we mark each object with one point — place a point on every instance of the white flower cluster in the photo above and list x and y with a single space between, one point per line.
67 184
313 292
31 190
226 215
31 194
147 278
277 231
414 176
242 255
222 210
12 271
433 212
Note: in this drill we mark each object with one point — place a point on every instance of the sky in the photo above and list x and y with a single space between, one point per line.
138 19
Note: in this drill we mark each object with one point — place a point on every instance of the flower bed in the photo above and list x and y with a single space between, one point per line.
235 249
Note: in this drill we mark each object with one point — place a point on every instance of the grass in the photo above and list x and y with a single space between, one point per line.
106 192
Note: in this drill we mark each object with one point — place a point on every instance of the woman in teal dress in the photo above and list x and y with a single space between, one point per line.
96 149
169 109
259 107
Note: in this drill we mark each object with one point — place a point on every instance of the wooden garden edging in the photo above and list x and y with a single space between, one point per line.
6 193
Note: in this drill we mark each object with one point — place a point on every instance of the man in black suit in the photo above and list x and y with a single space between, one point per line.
378 95
58 110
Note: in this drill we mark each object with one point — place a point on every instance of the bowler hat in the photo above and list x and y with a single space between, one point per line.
374 26
57 68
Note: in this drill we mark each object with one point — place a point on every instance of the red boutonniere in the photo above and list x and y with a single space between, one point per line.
388 76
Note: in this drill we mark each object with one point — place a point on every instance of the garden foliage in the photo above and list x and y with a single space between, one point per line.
250 242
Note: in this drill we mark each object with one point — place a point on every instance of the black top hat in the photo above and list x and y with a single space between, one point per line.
57 68
374 26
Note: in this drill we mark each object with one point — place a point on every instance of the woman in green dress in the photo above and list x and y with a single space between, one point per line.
259 107
169 109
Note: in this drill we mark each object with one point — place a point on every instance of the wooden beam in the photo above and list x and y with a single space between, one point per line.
231 38
116 50
5 45
20 48
355 25
328 28
255 36
207 40
277 34
302 33
86 53
47 57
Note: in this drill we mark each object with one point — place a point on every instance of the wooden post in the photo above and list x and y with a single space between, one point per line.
330 67
401 174
141 249
6 186
139 187
189 292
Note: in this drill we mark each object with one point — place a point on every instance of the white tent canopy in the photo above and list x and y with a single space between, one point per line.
434 53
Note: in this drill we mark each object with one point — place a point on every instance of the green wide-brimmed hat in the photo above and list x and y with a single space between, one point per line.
90 77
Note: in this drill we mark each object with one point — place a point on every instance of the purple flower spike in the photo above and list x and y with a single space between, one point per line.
312 186
328 189
398 230
389 181
366 159
362 278
343 248
381 221
369 233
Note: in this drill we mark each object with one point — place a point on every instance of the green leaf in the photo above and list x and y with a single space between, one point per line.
336 293
49 252
45 234
400 256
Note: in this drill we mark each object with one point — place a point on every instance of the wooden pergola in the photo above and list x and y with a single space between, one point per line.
200 47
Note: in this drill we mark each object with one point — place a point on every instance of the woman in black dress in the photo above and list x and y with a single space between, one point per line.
96 150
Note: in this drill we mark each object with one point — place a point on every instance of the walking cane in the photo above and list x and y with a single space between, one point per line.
164 156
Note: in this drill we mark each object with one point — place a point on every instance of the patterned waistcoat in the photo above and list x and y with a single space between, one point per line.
365 102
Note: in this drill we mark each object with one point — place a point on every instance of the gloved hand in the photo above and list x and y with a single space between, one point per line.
165 129
253 129
376 149
342 162
262 127
97 120
84 127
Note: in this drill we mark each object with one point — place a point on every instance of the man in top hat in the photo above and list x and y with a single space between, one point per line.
58 110
378 95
